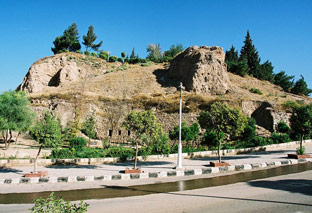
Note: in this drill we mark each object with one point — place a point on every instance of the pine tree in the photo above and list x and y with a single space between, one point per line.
231 55
283 80
301 87
250 53
234 63
68 41
89 39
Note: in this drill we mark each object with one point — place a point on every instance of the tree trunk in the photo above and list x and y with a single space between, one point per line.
35 162
17 137
136 156
11 136
301 139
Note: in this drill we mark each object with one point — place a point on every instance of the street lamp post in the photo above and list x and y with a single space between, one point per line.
179 162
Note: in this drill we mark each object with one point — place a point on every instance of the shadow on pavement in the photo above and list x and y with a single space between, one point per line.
291 185
10 170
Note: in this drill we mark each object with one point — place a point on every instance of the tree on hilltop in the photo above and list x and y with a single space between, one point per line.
89 39
154 51
284 81
234 63
250 53
174 50
69 41
301 87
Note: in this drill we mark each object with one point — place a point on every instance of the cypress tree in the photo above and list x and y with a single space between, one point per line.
132 54
231 55
250 53
89 39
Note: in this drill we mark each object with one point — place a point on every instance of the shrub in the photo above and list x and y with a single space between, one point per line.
112 58
300 151
282 127
161 145
121 152
277 138
63 153
103 55
53 204
94 54
256 91
78 51
87 53
77 142
290 105
120 60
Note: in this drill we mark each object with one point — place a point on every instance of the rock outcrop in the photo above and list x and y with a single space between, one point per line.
52 72
201 70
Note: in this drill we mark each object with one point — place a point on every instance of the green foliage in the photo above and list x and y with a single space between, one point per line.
123 54
301 87
231 55
87 53
132 54
280 138
89 39
69 41
77 143
265 71
47 131
89 127
94 54
250 130
282 127
188 133
173 51
238 67
103 55
154 51
221 119
112 58
256 91
301 120
300 151
144 126
284 81
210 139
15 114
290 105
250 53
53 204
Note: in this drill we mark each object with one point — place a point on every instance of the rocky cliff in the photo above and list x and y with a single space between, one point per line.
71 85
201 70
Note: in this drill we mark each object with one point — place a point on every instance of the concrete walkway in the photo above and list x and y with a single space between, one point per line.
159 165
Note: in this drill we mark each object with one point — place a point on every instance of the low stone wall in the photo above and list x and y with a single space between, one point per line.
151 175
94 161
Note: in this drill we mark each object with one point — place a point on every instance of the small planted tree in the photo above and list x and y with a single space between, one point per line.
143 125
301 123
48 133
222 120
89 127
15 114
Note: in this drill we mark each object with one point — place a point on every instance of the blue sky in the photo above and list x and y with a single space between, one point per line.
281 29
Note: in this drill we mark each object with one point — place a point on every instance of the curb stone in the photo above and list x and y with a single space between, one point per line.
149 175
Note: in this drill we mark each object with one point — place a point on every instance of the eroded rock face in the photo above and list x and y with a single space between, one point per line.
51 72
201 70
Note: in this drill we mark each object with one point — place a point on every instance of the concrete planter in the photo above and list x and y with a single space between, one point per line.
133 171
37 174
295 156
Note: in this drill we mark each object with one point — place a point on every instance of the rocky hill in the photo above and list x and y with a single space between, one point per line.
71 85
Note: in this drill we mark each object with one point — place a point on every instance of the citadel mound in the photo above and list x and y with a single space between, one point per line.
73 85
